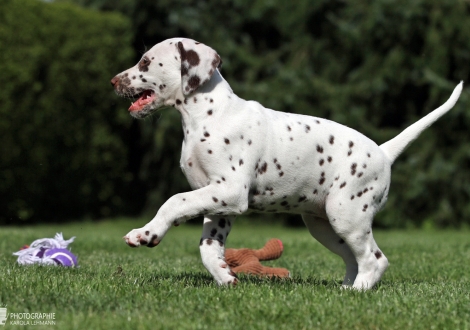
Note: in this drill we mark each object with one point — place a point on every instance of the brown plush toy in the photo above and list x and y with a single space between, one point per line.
247 261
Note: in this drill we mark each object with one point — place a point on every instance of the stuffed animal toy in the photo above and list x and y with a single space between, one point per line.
247 261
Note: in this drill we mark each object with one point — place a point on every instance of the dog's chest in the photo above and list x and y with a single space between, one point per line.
192 164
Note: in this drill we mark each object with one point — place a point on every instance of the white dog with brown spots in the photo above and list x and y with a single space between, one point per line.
239 157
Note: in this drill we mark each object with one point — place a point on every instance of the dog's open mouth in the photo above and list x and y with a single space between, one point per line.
145 98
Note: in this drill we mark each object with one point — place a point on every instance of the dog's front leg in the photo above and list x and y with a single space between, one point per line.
210 200
212 246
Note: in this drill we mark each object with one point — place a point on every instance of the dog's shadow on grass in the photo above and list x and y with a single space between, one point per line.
198 280
185 279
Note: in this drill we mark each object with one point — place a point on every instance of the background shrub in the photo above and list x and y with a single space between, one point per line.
376 66
63 151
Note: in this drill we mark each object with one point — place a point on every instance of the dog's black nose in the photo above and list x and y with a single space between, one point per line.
115 81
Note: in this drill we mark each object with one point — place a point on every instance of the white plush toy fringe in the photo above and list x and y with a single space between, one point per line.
29 255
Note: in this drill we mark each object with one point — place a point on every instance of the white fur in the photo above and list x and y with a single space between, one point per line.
239 157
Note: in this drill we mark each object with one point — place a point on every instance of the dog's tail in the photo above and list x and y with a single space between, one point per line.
394 147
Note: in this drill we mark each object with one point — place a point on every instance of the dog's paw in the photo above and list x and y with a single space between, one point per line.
142 236
225 276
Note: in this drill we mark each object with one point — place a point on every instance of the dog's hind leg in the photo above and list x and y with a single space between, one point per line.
372 263
381 259
322 231
354 226
212 247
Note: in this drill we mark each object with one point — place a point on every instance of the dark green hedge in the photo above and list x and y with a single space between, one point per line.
376 66
63 154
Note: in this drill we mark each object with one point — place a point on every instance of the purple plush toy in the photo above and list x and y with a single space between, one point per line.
48 251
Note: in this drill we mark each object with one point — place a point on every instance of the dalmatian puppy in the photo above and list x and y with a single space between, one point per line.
241 157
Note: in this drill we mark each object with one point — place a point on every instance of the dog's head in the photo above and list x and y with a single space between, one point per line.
173 67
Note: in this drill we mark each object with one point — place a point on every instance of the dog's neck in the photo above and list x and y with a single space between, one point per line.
206 102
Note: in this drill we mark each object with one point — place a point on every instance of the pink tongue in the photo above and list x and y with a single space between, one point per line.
146 98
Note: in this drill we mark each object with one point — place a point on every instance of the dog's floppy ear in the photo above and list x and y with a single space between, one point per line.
198 64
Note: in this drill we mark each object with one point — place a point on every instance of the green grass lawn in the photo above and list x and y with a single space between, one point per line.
427 285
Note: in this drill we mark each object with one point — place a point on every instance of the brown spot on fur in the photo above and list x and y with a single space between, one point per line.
190 56
263 168
193 82
353 168
153 241
222 223
144 64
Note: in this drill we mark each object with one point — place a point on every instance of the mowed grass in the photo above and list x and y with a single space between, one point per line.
426 287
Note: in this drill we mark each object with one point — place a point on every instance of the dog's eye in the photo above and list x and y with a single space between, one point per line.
145 61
